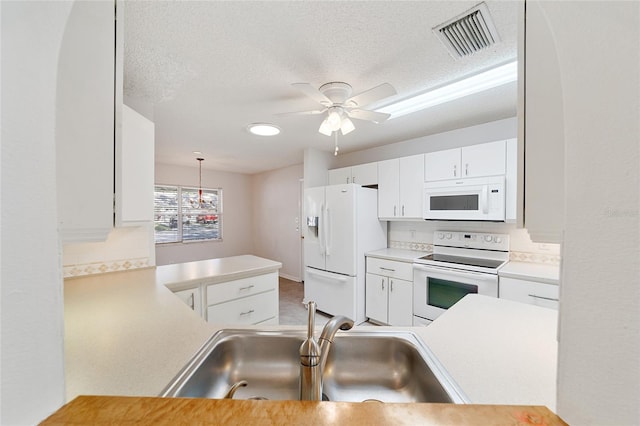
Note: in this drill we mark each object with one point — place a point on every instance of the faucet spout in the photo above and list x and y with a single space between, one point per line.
328 333
313 355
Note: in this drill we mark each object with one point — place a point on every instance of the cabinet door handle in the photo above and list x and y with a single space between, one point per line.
249 312
466 169
391 285
403 210
382 282
347 180
192 303
387 269
394 210
455 170
535 296
249 287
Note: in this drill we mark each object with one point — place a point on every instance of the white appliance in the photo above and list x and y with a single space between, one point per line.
341 226
461 263
466 199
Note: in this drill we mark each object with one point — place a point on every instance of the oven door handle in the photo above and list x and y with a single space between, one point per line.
454 272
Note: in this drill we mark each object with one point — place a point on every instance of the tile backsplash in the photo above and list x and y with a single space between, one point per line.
125 249
419 236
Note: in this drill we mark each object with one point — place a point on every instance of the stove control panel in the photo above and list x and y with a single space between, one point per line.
475 240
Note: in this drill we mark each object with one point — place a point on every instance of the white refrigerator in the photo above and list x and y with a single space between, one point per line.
341 226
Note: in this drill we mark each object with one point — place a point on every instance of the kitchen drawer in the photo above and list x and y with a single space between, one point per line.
245 311
390 268
223 292
531 292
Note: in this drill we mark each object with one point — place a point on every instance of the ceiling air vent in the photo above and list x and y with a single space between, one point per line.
468 33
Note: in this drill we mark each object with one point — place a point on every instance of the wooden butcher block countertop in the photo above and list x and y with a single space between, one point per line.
100 410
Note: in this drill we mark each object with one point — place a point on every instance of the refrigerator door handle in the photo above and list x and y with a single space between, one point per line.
327 239
321 229
329 276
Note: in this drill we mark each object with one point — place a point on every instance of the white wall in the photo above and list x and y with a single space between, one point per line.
276 218
237 207
32 302
316 165
598 45
481 133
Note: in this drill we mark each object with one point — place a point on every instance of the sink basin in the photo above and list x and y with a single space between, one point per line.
383 366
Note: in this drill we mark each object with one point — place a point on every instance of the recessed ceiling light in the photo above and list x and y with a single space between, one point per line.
197 152
263 129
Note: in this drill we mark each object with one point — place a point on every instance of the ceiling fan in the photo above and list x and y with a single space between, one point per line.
340 106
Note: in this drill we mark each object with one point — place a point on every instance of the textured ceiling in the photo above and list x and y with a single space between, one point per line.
204 70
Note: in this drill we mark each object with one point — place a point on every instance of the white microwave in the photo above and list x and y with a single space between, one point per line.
465 199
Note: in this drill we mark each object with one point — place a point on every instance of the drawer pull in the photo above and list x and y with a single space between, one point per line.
249 287
249 312
387 269
535 296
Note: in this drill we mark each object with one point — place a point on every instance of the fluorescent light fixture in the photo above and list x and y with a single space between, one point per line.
263 129
483 81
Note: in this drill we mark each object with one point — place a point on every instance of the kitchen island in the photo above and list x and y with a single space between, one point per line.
127 335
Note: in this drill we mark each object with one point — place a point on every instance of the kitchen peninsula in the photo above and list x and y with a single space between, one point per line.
128 335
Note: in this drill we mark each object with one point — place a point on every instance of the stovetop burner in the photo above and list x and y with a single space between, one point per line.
460 260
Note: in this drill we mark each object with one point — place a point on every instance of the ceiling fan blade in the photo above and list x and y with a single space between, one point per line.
372 95
313 93
361 114
313 112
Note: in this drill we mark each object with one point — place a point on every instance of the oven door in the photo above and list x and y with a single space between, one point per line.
436 289
465 199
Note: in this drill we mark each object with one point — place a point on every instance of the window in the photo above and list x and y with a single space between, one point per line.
180 216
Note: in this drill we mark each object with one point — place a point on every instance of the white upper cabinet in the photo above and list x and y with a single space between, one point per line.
134 169
487 159
441 165
400 187
341 175
362 174
85 123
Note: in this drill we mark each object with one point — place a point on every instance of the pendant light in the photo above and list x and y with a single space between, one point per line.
200 200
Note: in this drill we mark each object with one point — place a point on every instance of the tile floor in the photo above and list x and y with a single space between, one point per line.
292 311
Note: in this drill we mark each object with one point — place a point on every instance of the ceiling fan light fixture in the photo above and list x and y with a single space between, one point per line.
494 77
334 119
263 129
347 126
325 129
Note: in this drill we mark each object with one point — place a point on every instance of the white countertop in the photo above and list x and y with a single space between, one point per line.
497 350
184 275
539 272
400 255
126 335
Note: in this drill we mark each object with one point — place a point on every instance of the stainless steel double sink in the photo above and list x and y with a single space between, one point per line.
387 366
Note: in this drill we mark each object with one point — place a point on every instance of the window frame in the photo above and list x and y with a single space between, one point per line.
181 211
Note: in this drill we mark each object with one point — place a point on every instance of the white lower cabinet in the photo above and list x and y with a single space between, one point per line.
531 292
247 301
389 292
192 297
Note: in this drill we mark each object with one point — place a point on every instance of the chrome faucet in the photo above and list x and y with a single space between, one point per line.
313 355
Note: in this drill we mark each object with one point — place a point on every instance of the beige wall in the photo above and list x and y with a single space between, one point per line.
276 218
237 199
